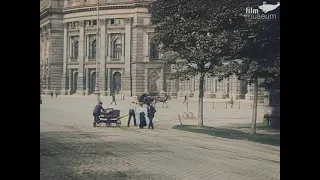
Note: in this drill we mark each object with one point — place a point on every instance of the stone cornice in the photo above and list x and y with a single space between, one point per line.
48 12
151 62
93 8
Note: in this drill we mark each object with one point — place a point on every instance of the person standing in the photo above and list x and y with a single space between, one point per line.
96 113
51 94
132 113
113 99
185 98
142 117
151 111
56 93
231 102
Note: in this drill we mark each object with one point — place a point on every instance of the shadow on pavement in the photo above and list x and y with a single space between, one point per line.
273 139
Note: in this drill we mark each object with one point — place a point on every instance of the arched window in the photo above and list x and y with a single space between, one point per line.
93 49
75 49
117 49
154 51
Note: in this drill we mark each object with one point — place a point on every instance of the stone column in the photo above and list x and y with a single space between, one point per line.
220 90
127 59
102 73
208 93
109 47
87 75
181 89
70 82
70 48
146 47
214 87
235 90
48 83
122 46
186 87
249 94
64 82
80 80
162 92
109 82
173 89
146 75
87 48
196 84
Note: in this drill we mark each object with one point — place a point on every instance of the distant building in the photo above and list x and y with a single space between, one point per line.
129 60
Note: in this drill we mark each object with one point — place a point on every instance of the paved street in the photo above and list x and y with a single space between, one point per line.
70 148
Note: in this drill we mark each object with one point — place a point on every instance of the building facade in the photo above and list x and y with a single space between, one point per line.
79 46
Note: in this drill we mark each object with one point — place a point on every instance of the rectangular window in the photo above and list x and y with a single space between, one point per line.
115 21
154 51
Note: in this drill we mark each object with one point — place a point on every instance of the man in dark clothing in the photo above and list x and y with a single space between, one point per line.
231 102
151 111
96 113
114 99
51 94
132 113
185 98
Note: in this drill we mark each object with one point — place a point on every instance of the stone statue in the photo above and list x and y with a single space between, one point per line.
153 87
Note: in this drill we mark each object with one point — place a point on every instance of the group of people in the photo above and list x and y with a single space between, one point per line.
136 108
143 113
56 93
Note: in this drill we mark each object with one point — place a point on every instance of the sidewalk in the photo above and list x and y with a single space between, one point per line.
128 98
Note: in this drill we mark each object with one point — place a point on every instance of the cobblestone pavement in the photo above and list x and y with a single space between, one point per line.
70 148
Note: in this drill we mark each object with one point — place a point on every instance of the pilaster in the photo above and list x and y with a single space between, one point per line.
162 92
146 74
65 58
70 82
87 76
127 47
249 94
102 79
196 84
80 80
220 90
109 81
173 88
208 87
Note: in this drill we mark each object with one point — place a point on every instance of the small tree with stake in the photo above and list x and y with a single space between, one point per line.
198 33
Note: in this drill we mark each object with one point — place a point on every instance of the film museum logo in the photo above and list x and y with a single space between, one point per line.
255 14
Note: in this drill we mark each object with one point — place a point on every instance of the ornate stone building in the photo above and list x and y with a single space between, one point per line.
129 61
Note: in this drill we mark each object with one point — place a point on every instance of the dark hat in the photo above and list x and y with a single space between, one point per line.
100 103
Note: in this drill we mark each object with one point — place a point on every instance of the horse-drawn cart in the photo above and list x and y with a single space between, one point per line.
109 117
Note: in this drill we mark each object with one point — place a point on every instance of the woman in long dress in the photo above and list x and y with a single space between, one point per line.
142 116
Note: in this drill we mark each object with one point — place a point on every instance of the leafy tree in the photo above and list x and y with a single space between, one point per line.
259 52
200 34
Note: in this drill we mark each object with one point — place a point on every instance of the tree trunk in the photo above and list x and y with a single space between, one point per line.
200 110
255 106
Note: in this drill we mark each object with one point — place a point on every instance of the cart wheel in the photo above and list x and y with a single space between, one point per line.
118 123
108 124
98 124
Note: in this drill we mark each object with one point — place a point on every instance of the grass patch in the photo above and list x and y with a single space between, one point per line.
232 134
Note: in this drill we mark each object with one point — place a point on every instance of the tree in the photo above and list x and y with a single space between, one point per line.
259 51
198 33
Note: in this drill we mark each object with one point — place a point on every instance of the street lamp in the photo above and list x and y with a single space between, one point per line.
96 89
